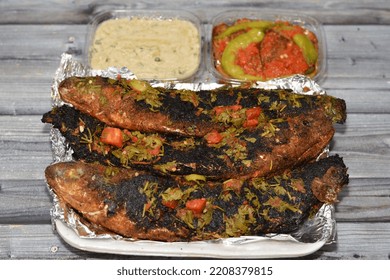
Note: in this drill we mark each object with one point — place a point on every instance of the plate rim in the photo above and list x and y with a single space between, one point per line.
280 246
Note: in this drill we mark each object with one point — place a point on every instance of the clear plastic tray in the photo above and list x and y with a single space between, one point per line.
307 22
153 50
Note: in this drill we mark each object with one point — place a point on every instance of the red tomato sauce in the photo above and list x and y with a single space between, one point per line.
281 57
275 56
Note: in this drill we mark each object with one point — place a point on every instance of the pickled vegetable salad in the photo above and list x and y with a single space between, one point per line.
263 50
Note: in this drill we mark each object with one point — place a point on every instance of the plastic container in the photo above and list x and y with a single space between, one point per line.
230 17
155 45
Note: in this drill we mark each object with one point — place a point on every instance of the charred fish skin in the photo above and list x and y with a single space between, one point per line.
142 205
177 155
135 105
257 152
117 103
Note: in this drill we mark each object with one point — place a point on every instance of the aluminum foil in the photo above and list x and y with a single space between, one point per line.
319 228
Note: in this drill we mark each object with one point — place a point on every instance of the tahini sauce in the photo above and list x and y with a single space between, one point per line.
150 48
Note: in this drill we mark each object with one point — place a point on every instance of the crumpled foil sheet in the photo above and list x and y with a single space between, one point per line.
322 227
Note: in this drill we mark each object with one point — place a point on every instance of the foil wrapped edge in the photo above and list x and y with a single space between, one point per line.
322 227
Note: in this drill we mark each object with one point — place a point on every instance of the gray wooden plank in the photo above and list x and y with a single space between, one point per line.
363 134
40 42
56 11
369 209
362 100
369 241
363 241
24 202
36 242
24 146
364 200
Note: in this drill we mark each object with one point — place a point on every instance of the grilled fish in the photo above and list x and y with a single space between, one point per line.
135 105
239 154
142 205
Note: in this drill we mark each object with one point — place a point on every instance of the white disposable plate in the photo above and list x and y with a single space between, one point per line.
279 246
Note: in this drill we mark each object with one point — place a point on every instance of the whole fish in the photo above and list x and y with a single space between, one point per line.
136 105
143 205
249 153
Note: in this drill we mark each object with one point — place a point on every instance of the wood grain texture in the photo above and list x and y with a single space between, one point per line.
33 35
24 202
354 241
327 11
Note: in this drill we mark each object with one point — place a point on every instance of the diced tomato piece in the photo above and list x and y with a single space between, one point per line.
155 151
196 205
170 203
213 137
253 113
130 136
221 109
251 123
112 136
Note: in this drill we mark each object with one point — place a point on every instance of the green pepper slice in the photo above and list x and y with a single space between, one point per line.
259 24
229 54
308 49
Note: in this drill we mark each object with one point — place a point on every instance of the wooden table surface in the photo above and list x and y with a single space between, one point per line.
34 34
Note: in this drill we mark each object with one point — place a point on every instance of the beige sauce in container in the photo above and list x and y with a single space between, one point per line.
150 48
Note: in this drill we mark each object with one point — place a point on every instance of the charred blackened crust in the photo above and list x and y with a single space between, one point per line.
126 104
142 205
296 140
263 179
